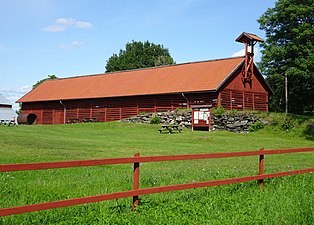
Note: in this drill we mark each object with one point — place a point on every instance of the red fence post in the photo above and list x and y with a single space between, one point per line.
136 181
261 168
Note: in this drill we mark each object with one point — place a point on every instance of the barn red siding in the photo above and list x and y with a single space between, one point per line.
235 95
112 109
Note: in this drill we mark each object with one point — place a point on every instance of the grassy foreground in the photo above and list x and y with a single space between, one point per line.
287 200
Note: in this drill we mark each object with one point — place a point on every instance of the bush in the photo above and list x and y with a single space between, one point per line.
286 124
308 132
232 112
155 120
256 126
218 111
182 111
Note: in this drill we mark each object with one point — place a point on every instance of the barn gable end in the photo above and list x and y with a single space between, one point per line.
233 94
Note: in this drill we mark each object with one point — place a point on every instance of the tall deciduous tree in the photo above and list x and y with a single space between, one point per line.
288 51
50 77
139 54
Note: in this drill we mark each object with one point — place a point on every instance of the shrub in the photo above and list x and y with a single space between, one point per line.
232 112
256 126
286 124
218 111
308 132
155 120
182 111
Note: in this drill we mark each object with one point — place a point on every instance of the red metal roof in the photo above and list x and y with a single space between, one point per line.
187 77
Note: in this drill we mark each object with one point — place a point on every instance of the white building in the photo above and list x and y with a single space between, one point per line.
7 114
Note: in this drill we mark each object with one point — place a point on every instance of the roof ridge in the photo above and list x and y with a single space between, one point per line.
147 68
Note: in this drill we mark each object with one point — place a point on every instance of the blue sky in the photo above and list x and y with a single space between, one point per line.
76 37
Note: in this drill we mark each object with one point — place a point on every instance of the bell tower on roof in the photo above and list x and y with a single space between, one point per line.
249 40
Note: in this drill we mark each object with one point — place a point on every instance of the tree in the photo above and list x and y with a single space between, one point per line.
288 51
50 77
139 55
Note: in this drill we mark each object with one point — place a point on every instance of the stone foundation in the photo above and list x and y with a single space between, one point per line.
236 122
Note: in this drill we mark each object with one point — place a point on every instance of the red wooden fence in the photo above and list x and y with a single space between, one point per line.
137 159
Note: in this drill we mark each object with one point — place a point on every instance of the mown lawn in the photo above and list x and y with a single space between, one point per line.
287 200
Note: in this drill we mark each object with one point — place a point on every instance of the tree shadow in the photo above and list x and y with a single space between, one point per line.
309 131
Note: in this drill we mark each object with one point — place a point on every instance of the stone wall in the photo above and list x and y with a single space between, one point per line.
239 122
182 118
235 122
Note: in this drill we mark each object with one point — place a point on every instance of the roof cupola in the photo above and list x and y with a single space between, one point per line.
248 68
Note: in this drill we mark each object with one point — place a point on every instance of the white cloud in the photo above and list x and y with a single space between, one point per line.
83 25
73 44
13 94
61 24
18 90
63 46
238 53
54 28
66 21
25 88
76 43
242 52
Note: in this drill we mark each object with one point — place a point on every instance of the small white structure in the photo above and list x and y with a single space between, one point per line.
7 114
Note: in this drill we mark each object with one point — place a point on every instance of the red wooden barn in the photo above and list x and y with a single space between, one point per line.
234 83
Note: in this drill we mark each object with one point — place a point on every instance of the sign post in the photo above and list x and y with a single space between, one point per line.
201 117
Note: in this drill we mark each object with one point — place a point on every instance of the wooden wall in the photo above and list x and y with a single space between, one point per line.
236 95
111 109
244 100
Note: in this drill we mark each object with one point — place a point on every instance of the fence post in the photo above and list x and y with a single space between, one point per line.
261 168
136 181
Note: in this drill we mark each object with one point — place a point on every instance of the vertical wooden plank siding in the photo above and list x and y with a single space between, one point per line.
243 99
219 99
230 99
253 105
112 109
240 100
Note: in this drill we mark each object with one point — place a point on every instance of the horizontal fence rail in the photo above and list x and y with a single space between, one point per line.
141 159
136 192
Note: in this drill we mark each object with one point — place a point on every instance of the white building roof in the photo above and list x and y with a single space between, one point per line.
4 101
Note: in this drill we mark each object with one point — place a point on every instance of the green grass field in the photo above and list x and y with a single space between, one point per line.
287 200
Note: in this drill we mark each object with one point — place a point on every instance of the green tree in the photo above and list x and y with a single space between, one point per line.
288 51
139 54
50 77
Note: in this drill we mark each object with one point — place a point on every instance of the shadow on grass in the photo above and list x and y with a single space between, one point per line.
309 131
